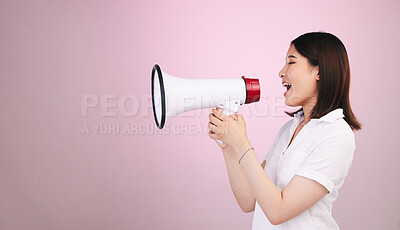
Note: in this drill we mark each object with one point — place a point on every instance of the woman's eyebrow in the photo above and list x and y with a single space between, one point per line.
292 56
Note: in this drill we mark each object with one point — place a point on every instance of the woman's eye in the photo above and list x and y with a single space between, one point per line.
291 63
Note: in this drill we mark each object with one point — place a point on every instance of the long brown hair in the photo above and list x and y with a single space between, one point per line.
328 52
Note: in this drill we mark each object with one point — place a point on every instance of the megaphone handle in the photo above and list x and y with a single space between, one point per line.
229 108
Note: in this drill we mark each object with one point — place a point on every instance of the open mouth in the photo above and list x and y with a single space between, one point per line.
287 85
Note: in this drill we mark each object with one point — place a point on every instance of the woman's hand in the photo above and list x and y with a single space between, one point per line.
229 129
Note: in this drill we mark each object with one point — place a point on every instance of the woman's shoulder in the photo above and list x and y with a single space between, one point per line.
337 128
333 123
336 135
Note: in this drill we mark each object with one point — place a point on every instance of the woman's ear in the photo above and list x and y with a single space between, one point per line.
316 72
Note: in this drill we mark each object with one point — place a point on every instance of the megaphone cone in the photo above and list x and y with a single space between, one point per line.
173 95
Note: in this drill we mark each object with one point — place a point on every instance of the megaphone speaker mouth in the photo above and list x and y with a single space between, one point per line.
158 96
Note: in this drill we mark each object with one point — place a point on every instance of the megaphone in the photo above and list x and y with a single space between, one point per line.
174 95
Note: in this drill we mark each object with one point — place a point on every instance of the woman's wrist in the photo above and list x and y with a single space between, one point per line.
229 154
241 147
226 150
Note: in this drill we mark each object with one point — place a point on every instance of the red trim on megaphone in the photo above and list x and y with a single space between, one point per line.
252 90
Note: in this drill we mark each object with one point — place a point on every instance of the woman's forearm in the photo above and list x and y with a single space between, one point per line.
265 191
239 185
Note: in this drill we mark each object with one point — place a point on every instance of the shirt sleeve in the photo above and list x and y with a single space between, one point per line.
329 162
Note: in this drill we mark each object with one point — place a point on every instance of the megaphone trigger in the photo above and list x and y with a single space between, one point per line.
231 107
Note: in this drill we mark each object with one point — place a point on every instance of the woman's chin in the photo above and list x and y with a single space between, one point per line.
290 103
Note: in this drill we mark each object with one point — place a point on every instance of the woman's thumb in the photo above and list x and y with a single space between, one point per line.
239 116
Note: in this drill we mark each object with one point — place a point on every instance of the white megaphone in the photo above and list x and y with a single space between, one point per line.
173 95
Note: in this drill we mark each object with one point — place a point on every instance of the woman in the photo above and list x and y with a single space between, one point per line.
298 181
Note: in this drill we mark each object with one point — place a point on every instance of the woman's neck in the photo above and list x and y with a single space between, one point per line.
307 109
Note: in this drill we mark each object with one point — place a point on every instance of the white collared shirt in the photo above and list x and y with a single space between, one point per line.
322 151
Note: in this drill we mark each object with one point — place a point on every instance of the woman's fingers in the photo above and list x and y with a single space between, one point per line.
213 127
234 117
215 137
214 119
218 125
218 114
212 135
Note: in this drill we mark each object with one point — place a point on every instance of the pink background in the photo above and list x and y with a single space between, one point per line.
52 53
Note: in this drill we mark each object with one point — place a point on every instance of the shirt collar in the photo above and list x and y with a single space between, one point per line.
329 117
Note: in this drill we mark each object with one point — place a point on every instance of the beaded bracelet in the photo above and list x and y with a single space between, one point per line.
245 153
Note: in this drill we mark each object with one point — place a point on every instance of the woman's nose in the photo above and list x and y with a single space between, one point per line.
281 73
